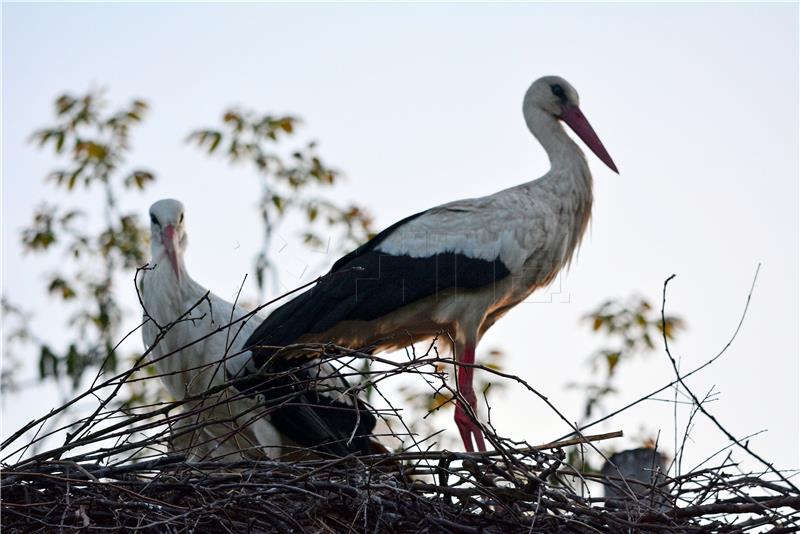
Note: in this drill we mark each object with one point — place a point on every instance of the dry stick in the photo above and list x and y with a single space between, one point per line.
587 516
744 497
697 401
435 455
521 381
687 375
575 441
89 438
548 403
127 375
199 410
678 460
728 446
145 267
221 364
139 365
99 371
160 408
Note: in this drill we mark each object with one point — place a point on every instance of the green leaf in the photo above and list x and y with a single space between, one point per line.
64 103
139 179
235 119
72 358
42 136
73 179
215 142
287 125
612 359
48 362
60 141
60 286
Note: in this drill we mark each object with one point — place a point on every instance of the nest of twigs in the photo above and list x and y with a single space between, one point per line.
508 491
119 467
122 470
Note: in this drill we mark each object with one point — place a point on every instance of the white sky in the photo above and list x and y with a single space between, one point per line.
698 106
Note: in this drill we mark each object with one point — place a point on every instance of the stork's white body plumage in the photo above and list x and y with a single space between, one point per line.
458 267
165 302
196 342
192 356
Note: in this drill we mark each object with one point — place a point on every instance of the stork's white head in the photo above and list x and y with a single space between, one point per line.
168 233
556 97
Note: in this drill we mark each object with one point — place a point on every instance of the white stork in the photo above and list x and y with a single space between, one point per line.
459 267
302 403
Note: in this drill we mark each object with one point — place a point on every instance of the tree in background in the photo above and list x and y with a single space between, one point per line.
93 145
96 255
288 184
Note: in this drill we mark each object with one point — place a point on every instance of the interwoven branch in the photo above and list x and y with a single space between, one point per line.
191 465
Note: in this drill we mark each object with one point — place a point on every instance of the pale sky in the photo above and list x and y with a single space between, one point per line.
419 105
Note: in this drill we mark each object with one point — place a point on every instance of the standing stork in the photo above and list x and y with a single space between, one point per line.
459 267
196 340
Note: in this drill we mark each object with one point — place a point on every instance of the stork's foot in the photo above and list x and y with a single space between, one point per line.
471 433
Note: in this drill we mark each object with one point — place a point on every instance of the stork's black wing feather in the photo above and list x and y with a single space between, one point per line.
310 416
367 284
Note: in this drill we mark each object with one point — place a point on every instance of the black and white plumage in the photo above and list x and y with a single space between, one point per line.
455 268
272 409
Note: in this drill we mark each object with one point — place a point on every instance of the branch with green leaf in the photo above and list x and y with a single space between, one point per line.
97 252
292 183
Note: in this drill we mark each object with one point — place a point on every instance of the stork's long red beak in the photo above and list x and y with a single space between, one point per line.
170 240
579 124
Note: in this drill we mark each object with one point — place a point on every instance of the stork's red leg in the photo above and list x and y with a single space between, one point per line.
466 426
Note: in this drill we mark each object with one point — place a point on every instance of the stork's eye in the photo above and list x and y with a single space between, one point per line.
181 219
153 219
558 91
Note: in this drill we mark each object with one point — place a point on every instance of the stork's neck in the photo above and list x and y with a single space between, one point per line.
569 175
562 151
164 291
569 178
